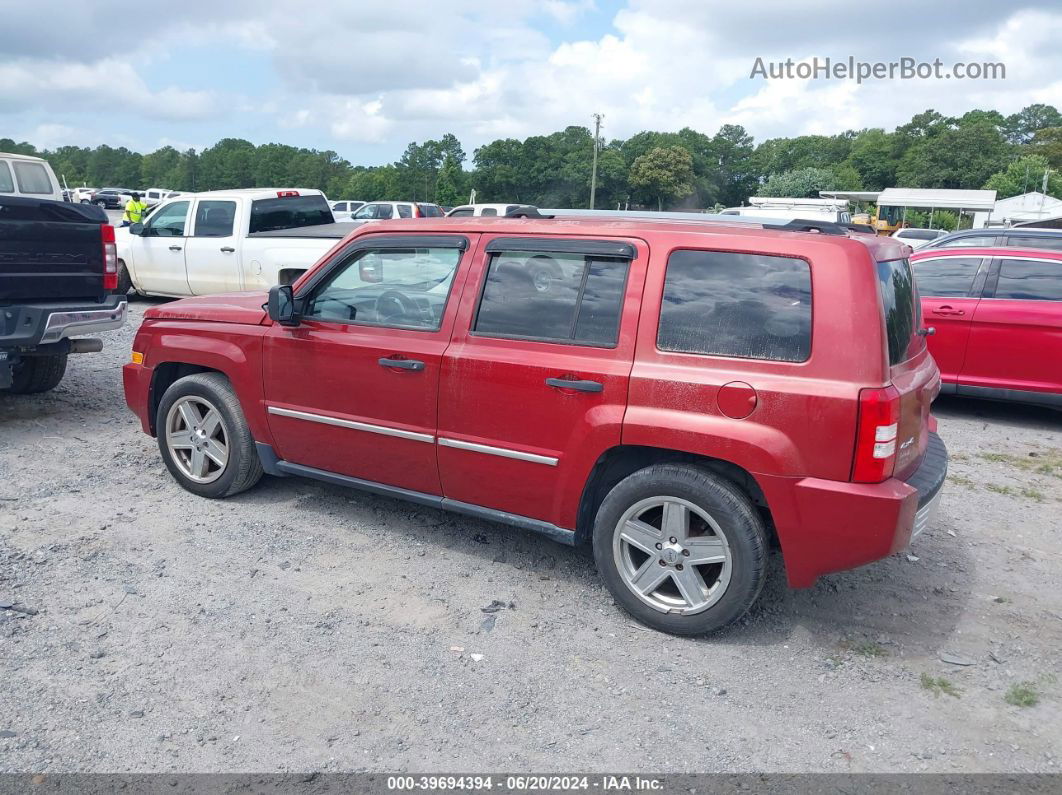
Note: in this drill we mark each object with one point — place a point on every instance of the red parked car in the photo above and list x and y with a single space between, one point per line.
998 319
678 395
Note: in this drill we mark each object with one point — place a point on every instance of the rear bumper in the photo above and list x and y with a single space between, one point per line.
136 379
28 325
826 526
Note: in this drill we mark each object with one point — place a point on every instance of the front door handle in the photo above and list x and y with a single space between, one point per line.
175 248
228 249
947 310
402 364
576 384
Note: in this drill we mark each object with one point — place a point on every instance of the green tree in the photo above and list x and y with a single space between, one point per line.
161 168
1024 175
957 157
450 187
735 178
1021 127
1047 143
806 183
663 174
873 159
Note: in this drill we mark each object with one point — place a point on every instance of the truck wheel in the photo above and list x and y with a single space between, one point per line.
681 549
124 282
204 438
36 374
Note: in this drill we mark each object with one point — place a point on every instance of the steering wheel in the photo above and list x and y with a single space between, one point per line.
394 303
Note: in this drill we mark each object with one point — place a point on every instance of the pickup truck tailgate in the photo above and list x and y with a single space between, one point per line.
50 250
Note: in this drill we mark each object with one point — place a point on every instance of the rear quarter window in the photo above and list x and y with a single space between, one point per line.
750 306
901 308
1049 242
32 178
7 185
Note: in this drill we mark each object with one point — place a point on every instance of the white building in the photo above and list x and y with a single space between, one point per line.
1026 207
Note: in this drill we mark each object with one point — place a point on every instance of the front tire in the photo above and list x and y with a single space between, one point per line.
36 374
124 281
680 548
204 438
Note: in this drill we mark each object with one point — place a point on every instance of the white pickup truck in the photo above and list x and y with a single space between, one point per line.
226 241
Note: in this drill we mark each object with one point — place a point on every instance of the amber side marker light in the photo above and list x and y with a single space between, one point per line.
137 357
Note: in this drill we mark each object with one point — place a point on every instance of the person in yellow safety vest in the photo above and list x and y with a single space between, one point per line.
134 211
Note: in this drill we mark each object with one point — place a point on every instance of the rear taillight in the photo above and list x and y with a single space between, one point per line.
110 258
875 452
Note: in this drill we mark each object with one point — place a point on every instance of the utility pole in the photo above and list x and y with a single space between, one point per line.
593 171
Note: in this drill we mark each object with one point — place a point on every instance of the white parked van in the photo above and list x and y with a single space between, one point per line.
32 177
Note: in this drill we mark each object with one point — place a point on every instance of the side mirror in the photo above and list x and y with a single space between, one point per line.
281 306
136 229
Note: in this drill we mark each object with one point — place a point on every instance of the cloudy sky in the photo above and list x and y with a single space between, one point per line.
364 78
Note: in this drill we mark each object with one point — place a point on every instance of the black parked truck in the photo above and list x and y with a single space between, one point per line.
58 277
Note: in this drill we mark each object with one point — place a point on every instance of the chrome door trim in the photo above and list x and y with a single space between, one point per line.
503 452
383 430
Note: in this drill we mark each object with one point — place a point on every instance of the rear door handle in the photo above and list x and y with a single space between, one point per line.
402 364
228 249
175 248
576 384
947 310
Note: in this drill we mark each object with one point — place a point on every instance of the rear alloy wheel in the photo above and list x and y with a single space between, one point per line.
680 548
204 438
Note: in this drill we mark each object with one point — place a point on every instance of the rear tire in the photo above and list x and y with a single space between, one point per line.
680 548
204 438
36 374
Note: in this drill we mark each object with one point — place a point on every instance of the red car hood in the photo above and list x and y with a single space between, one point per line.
243 308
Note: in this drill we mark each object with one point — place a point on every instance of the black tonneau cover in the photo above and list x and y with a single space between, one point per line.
336 231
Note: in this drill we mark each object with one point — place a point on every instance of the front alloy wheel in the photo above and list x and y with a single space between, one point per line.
197 439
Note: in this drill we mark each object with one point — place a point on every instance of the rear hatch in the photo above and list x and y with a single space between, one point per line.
50 250
912 372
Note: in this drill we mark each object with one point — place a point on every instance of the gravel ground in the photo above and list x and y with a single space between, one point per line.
301 626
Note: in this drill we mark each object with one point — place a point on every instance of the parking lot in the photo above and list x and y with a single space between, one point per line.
301 626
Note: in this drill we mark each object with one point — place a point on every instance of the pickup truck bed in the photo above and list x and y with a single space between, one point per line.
56 263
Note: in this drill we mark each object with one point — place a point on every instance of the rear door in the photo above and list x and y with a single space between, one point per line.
534 384
158 252
1016 334
210 250
950 288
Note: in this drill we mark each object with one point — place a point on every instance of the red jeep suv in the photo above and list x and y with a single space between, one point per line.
677 394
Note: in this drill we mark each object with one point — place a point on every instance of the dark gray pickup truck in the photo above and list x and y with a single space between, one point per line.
58 275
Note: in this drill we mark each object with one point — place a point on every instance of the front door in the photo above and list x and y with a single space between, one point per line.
534 384
210 251
158 251
353 388
1016 334
949 287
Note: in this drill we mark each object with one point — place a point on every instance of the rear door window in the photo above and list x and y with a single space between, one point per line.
289 212
553 297
405 211
488 211
749 306
971 241
214 218
430 210
1050 242
32 178
946 276
1029 280
902 310
7 185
